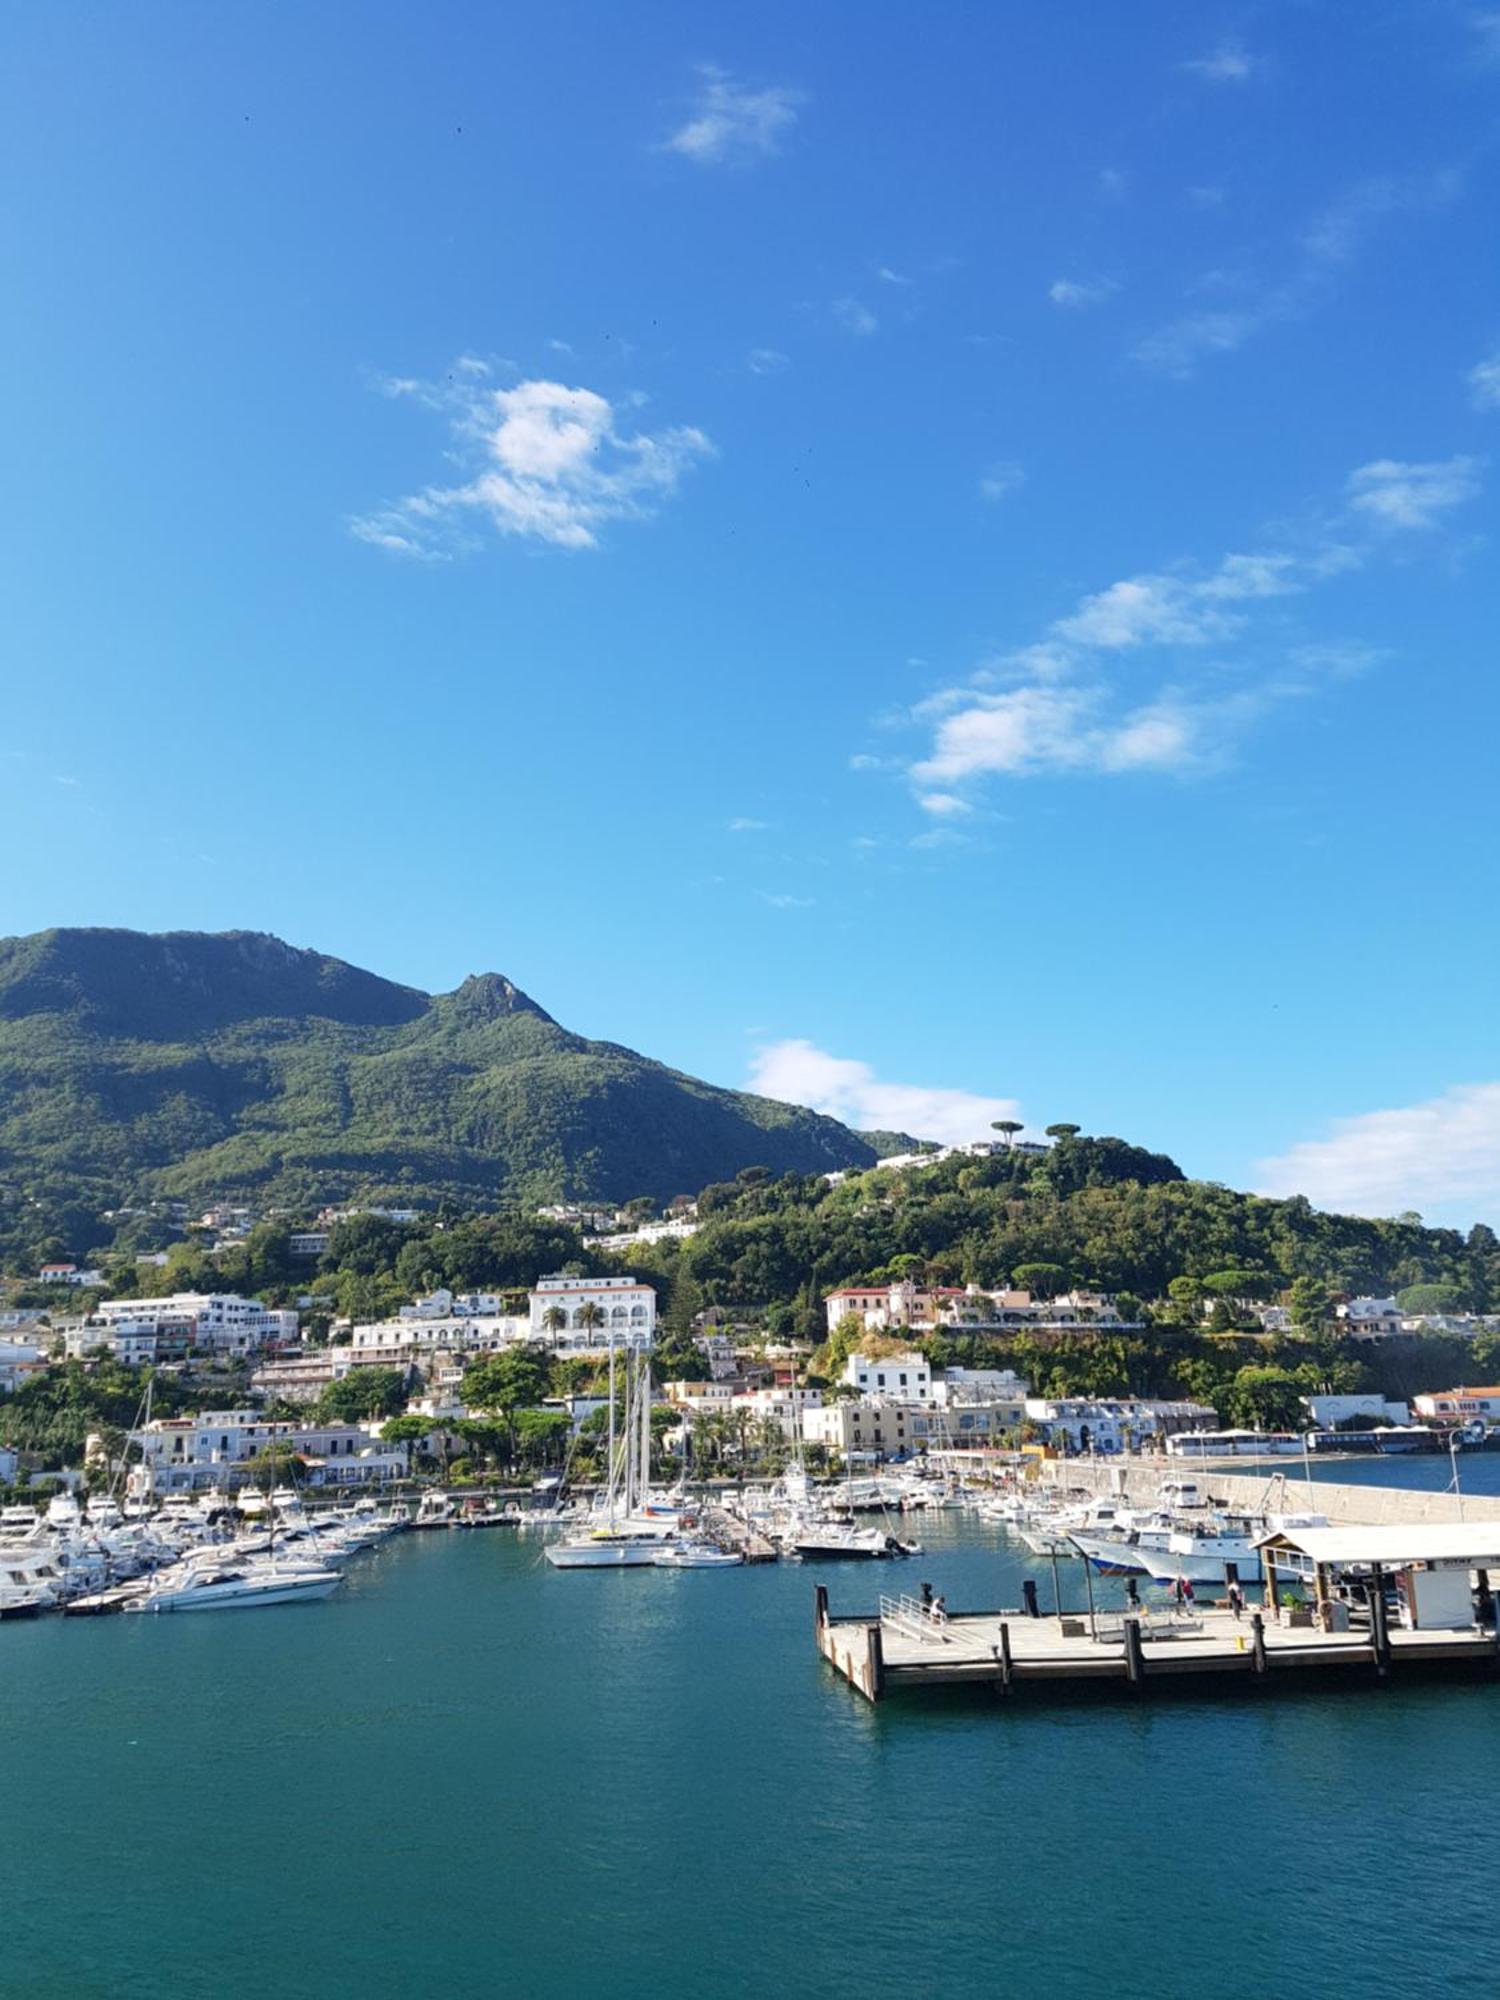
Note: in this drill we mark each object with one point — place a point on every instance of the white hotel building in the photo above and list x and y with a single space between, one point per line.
625 1309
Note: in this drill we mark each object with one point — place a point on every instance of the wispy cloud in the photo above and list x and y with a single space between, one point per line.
889 277
1332 241
1076 292
799 1072
1228 63
733 124
1003 477
944 805
746 825
1440 1157
779 900
543 461
1398 495
1059 706
855 317
1484 382
767 361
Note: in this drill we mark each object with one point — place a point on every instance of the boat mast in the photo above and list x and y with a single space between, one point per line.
610 1469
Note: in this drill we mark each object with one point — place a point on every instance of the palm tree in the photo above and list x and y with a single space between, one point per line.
554 1319
589 1316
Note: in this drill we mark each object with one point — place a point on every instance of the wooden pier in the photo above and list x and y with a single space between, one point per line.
906 1647
736 1535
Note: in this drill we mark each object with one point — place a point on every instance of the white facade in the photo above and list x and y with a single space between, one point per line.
401 1343
443 1304
906 1378
979 1385
1370 1319
214 1447
1112 1424
68 1274
1327 1412
133 1346
18 1359
626 1310
222 1321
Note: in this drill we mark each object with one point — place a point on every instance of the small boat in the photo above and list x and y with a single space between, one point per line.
834 1543
435 1511
696 1555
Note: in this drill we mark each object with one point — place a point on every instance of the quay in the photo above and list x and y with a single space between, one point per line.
1367 1602
737 1537
902 1650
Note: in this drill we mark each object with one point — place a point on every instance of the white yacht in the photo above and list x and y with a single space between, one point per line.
200 1586
833 1541
30 1581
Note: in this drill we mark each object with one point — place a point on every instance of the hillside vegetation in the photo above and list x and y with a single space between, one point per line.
136 1067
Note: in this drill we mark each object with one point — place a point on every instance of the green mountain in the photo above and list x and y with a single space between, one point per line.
135 1067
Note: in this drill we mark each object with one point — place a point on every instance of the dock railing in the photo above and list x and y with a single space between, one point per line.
914 1619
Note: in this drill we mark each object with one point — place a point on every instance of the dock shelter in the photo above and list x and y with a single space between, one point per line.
1441 1571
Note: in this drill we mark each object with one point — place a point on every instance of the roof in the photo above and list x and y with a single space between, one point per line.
1440 1541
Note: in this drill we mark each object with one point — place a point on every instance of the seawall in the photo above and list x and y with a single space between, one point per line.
1283 1492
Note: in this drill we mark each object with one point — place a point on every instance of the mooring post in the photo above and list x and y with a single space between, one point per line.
874 1661
1258 1642
1028 1595
1380 1636
1135 1658
820 1607
1005 1662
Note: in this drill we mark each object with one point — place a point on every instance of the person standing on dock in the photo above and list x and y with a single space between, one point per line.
1236 1596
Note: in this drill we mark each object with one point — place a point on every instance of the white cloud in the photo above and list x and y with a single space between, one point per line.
1047 731
798 1072
1228 63
1400 495
732 125
1177 348
785 902
855 317
549 463
1331 242
889 277
1061 706
767 361
1484 381
1001 478
746 826
1081 291
1441 1157
944 805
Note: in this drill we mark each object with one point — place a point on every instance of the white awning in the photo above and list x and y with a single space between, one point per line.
1474 1542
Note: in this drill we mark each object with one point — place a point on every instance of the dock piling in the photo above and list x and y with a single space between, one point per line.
1135 1658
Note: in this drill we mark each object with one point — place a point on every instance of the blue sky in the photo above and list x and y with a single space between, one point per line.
930 557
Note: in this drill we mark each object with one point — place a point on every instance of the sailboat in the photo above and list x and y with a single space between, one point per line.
625 1536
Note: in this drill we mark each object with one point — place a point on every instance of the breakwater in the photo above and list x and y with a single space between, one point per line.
1139 1480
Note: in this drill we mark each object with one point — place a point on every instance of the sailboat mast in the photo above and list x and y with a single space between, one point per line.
609 1462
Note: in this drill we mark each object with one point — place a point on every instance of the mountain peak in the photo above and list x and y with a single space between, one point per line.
490 996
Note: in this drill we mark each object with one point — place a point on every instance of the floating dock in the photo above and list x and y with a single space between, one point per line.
907 1647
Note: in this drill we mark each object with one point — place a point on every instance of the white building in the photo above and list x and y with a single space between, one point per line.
1460 1406
308 1242
967 1307
1370 1319
10 1464
300 1378
1112 1424
443 1304
1328 1412
131 1345
68 1274
623 1310
407 1343
979 1385
214 1448
18 1359
906 1378
222 1321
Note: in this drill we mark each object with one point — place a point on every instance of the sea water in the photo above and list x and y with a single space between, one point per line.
468 1773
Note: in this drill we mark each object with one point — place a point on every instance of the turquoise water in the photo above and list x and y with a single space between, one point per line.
471 1774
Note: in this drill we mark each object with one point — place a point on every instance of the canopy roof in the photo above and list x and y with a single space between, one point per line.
1477 1542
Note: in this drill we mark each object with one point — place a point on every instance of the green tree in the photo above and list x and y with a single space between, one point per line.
1009 1127
1267 1399
1043 1281
1309 1303
361 1394
1063 1131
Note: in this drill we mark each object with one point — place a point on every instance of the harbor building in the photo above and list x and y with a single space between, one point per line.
907 1378
1460 1406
